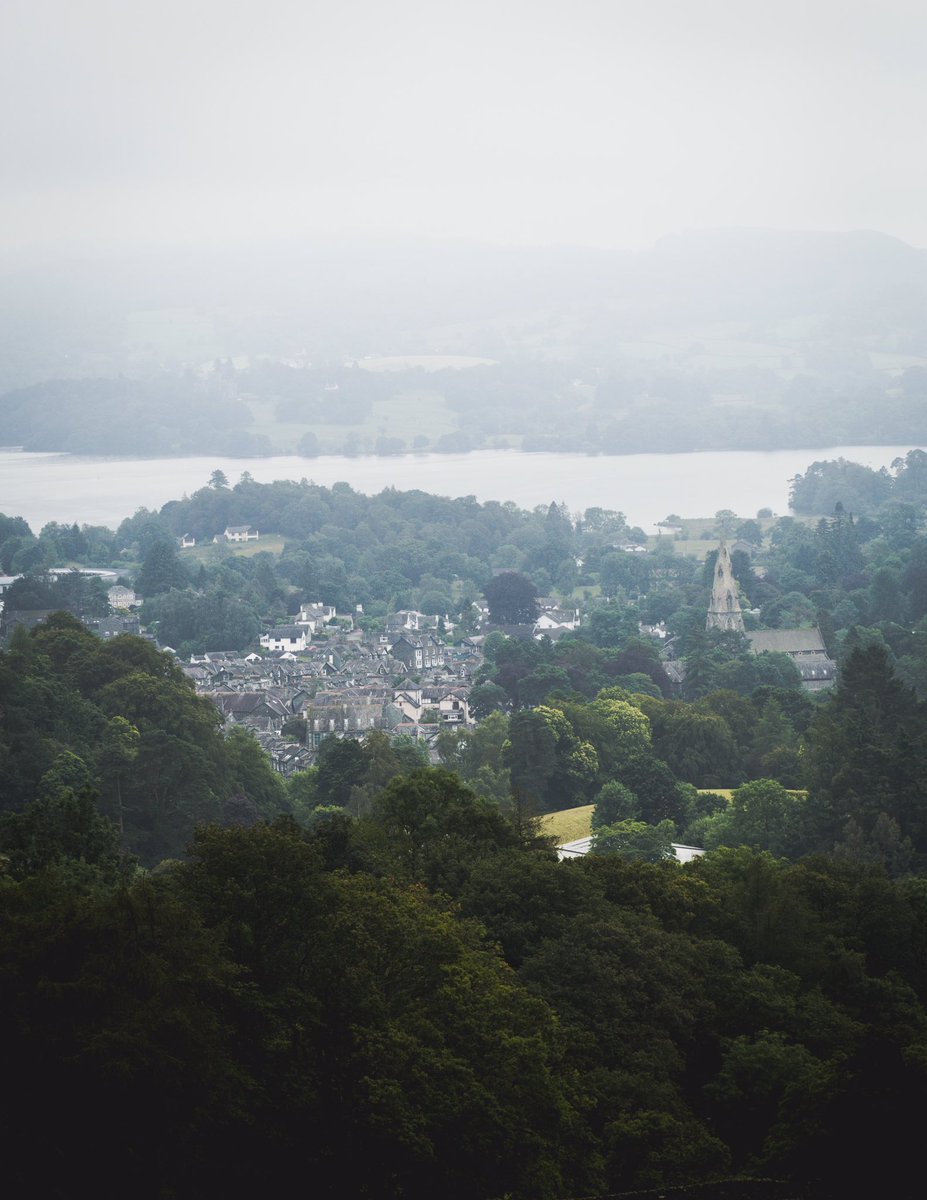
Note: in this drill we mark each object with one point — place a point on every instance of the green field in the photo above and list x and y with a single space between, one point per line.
568 825
699 537
571 824
268 543
404 415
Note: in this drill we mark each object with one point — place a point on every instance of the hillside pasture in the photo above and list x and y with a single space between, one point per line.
268 543
569 824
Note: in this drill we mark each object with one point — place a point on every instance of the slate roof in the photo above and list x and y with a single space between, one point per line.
787 641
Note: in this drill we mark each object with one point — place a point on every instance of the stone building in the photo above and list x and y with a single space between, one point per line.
724 608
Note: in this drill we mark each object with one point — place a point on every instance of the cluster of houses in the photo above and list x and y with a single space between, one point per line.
319 676
232 533
122 601
344 682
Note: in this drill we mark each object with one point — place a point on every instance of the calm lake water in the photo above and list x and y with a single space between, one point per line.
646 487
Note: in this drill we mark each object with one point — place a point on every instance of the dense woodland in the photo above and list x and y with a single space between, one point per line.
377 973
581 407
423 1001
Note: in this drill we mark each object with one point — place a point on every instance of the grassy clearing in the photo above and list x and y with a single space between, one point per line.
585 591
699 536
728 793
422 412
284 435
695 547
404 415
571 824
568 825
268 543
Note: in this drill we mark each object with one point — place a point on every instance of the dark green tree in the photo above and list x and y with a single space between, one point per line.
161 571
512 599
636 841
866 753
62 827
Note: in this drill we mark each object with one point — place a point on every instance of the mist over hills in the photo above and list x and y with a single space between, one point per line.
730 319
257 297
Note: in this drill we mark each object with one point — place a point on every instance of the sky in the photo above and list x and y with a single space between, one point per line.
590 122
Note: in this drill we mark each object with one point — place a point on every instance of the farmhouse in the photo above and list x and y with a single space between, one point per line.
238 533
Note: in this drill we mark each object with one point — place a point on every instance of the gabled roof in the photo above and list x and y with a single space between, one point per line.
239 702
410 640
787 641
286 631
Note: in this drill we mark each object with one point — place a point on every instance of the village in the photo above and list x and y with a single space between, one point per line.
408 680
322 674
343 682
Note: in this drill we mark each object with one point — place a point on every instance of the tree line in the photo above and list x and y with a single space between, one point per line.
423 1001
591 406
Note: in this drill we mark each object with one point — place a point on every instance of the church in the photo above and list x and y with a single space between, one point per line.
805 647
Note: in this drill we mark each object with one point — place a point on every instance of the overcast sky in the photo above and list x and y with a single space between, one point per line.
601 122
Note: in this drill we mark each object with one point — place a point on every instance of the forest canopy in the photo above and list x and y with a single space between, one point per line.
377 970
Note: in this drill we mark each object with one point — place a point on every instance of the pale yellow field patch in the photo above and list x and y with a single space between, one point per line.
568 825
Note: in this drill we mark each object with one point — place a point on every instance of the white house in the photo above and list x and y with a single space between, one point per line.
582 846
411 621
314 616
238 533
557 618
286 637
454 709
409 702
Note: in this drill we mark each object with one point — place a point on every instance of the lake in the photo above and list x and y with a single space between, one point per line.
646 487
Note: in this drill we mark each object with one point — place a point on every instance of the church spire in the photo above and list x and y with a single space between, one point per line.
724 609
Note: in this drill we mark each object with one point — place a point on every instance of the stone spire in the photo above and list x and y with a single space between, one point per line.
724 609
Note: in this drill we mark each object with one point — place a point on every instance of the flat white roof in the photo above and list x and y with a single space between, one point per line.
582 846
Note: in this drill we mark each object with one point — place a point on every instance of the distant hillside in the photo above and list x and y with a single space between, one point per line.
753 274
327 301
712 339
